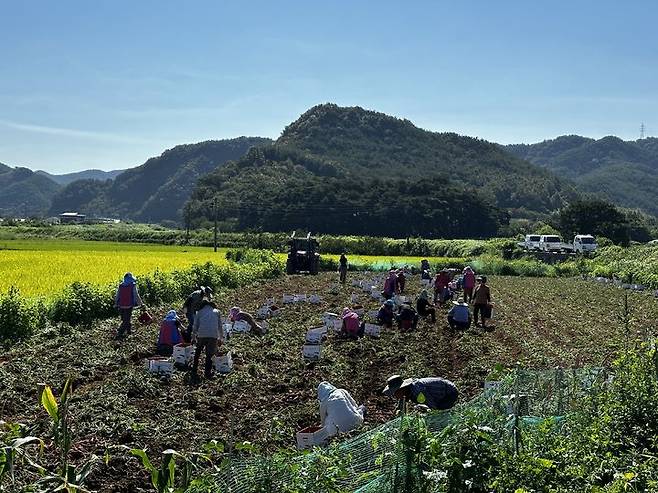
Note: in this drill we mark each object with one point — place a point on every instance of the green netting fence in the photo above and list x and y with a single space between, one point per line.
376 461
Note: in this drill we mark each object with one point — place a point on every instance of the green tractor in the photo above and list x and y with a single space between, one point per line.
302 255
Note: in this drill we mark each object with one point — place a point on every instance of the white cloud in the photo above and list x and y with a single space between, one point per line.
69 132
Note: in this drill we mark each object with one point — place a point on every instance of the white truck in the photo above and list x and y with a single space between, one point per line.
531 242
551 243
584 244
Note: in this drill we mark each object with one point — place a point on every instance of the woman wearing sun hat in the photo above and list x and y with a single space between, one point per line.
433 392
459 317
481 301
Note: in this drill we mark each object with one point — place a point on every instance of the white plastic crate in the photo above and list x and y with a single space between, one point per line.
315 299
224 364
400 300
314 335
356 283
263 312
337 325
491 384
228 328
328 318
288 298
312 351
241 326
183 353
300 298
359 311
425 282
311 436
372 330
373 314
160 366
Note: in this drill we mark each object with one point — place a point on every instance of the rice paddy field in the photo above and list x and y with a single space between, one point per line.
45 267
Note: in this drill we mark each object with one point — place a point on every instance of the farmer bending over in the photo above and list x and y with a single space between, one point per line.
435 393
339 412
424 307
237 315
386 315
125 299
351 327
207 333
459 317
169 334
192 305
407 318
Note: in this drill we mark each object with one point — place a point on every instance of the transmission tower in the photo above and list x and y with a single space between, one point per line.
642 131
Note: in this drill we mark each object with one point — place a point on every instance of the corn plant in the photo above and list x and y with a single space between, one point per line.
163 478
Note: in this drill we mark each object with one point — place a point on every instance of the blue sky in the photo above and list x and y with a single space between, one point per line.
107 84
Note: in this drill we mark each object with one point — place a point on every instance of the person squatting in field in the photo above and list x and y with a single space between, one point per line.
339 412
237 315
170 333
424 307
459 317
407 318
481 301
434 392
386 314
207 333
126 298
351 327
342 268
192 305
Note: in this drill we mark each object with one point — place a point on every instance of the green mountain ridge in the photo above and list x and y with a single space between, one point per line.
88 174
24 193
156 190
624 172
320 173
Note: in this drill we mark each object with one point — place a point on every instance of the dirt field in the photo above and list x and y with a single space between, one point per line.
540 323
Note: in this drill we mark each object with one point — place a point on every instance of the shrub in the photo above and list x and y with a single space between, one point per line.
82 303
18 317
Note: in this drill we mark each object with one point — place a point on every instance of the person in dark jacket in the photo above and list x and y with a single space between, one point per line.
424 307
386 315
193 304
342 268
481 301
126 299
435 392
407 318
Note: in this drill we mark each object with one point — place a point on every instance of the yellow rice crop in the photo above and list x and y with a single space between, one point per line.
43 267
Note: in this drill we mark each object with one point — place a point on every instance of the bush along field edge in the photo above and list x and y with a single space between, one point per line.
81 304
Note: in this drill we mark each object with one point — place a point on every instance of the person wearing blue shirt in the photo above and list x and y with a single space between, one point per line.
459 317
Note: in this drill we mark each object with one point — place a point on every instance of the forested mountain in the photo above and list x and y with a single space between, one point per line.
625 172
157 189
348 170
24 193
88 174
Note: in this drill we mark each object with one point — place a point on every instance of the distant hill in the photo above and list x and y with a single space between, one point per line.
24 193
624 172
88 174
349 170
157 189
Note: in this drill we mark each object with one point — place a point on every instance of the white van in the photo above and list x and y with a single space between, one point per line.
584 244
550 243
531 242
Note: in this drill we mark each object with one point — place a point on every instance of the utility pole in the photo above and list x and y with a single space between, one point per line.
214 209
642 131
